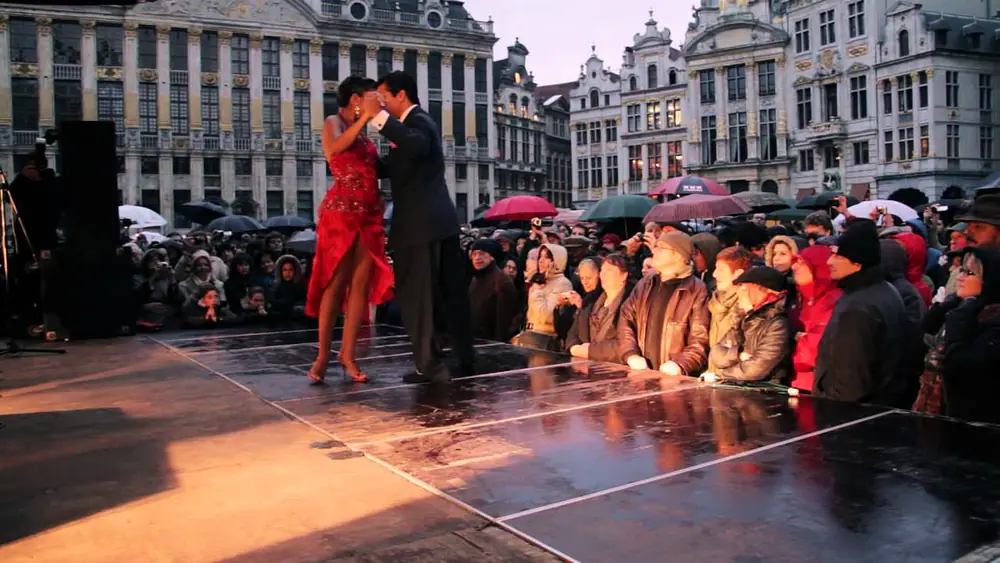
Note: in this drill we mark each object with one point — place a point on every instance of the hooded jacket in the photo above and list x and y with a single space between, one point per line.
916 262
793 247
763 334
709 247
895 261
809 318
543 299
189 286
285 295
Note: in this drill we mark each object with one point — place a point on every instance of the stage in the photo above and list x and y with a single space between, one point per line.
593 463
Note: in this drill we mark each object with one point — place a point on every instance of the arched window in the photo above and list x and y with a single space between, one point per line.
904 43
672 77
769 186
524 106
513 104
651 76
595 98
633 84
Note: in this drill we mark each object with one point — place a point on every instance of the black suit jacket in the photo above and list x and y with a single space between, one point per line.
423 210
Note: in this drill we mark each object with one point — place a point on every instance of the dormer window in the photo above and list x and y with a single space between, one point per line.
940 37
672 77
517 78
974 40
633 84
513 104
651 77
904 43
595 98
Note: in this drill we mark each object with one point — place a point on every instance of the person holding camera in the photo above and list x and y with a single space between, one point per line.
154 290
547 289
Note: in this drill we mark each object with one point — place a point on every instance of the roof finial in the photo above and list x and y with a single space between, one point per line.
651 13
593 48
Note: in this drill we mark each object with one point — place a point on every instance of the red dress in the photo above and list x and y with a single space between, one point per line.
353 207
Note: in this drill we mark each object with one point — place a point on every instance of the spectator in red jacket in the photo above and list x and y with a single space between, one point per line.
916 262
817 295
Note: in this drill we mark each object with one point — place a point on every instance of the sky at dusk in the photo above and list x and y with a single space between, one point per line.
559 33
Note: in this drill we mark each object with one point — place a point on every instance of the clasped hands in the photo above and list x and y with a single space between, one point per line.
371 105
637 362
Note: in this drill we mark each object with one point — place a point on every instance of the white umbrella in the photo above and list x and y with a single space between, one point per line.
302 241
151 236
141 216
865 208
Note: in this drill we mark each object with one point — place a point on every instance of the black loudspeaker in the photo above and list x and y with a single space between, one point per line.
95 278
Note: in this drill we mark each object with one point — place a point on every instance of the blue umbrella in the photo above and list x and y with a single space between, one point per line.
288 222
387 216
202 212
234 224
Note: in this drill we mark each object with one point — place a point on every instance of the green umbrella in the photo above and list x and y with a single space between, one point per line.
792 214
619 207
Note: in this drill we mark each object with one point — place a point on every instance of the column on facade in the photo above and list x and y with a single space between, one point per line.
472 140
397 58
227 168
130 86
371 60
752 105
722 117
166 174
288 88
447 121
422 80
316 89
782 129
259 166
344 65
46 94
931 98
197 173
88 69
6 111
491 131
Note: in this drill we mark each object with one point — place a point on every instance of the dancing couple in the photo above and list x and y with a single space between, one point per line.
351 270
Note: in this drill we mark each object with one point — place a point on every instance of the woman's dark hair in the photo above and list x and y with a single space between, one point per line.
398 81
353 85
546 250
618 260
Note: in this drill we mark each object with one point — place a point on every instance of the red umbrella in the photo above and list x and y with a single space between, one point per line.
696 207
689 185
520 208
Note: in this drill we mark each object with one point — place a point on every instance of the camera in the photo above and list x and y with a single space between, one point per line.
538 279
882 210
536 223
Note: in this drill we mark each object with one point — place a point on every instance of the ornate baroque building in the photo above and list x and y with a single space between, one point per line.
595 119
555 105
225 99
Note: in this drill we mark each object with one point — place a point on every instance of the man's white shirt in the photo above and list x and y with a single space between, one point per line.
378 122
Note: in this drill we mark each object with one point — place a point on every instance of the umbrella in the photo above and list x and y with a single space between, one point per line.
302 241
619 207
234 224
789 214
141 217
696 207
202 212
150 236
387 216
901 210
825 200
689 185
478 219
762 202
568 215
519 208
288 223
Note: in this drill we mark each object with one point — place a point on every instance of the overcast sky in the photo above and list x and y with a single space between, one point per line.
558 33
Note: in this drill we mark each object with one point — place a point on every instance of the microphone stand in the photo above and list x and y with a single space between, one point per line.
12 348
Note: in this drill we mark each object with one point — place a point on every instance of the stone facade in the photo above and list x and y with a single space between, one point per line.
595 122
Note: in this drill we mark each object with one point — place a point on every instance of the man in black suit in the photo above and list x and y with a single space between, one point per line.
427 258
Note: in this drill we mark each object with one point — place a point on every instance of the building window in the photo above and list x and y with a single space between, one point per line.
860 152
180 198
633 84
768 134
581 134
985 92
904 94
986 143
736 82
635 163
951 88
802 36
652 77
209 51
922 88
607 99
242 166
856 19
303 168
24 103
654 158
766 85
149 165
940 37
859 97
672 77
147 108
68 98
653 116
633 117
303 117
461 171
150 199
270 57
300 59
807 161
66 42
886 96
595 132
583 173
906 143
706 84
675 166
612 165
111 104
596 172
952 141
433 70
241 113
304 204
239 50
182 166
23 36
274 203
179 109
146 44
611 130
827 28
271 105
272 167
904 43
709 150
803 106
178 49
383 66
595 97
482 126
831 156
210 110
830 106
925 141
887 145
480 75
331 61
410 63
674 113
738 137
109 45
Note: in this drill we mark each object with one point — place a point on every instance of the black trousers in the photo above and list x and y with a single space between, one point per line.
432 284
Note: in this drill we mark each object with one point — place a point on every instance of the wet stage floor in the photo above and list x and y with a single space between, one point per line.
596 463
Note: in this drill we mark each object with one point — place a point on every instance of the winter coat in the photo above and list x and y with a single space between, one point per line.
597 324
685 328
709 247
860 353
182 270
494 304
765 335
287 295
724 309
190 285
895 261
793 247
916 263
811 314
544 298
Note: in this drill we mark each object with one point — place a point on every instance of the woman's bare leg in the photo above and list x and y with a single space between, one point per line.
329 310
357 308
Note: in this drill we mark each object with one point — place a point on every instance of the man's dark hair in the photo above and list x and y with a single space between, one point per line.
353 85
819 219
398 81
618 260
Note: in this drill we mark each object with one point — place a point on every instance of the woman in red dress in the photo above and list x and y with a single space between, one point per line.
350 270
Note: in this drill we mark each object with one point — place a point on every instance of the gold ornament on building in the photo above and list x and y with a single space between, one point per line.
241 80
147 75
302 84
194 35
316 46
470 60
826 58
24 69
720 69
225 36
130 29
857 51
780 61
372 51
692 73
398 53
803 65
286 44
209 78
422 55
256 39
180 143
446 58
330 86
782 123
273 144
345 50
4 21
163 32
109 73
43 25
930 73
